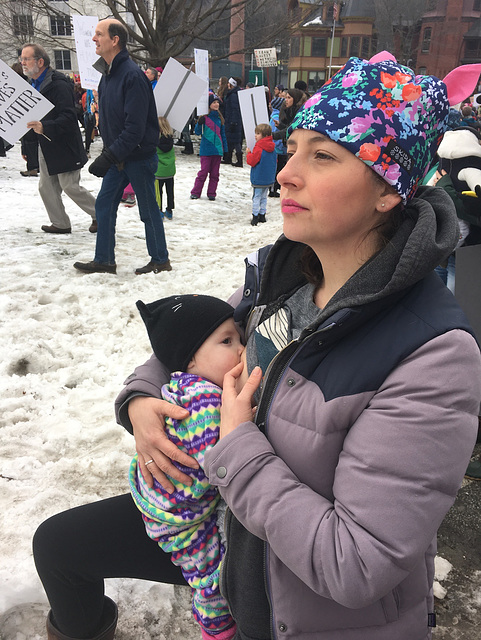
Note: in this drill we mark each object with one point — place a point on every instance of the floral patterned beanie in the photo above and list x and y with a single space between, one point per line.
385 115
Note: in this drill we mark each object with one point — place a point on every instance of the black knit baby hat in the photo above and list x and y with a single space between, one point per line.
179 325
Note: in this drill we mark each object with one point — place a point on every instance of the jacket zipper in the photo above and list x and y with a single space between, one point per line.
281 360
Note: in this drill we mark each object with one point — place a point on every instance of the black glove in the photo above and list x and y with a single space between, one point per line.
201 120
102 164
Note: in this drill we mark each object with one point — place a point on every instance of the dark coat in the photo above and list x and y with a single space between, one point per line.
61 144
127 115
233 120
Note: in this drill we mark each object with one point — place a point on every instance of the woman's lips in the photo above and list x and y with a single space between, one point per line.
291 206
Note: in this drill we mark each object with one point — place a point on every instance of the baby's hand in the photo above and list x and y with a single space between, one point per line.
247 150
237 405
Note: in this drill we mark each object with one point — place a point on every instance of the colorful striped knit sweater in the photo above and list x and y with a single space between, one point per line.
184 522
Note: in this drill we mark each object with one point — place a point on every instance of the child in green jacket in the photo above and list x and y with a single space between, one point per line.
166 167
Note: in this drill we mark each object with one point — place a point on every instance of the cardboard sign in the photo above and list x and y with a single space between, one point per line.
201 59
177 93
19 103
84 29
253 106
266 57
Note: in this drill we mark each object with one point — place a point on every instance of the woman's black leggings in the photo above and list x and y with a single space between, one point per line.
75 550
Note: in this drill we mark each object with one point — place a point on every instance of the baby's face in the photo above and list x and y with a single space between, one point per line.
220 353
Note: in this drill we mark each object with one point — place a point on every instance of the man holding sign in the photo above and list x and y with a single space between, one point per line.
61 152
130 133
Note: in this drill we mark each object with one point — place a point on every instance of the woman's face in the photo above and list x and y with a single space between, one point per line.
289 100
215 105
328 198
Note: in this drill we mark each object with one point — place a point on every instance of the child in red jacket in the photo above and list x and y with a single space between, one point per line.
263 162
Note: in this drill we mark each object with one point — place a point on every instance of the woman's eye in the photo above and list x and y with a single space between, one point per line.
322 156
226 341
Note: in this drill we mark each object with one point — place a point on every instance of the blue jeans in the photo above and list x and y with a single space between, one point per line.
141 174
259 201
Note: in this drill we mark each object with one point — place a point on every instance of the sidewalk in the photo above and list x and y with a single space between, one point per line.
459 541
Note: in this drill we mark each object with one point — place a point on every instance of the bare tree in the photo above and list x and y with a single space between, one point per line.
158 29
397 25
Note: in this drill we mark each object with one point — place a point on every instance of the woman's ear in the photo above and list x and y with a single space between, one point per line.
191 365
388 201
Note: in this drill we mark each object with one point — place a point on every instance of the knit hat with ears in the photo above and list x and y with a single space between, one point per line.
390 118
179 325
212 98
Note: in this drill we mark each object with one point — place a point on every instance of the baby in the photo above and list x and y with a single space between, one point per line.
196 338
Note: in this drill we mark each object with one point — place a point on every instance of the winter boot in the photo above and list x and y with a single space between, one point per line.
239 160
189 149
109 624
227 158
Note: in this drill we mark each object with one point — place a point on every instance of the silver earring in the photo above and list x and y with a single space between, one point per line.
383 204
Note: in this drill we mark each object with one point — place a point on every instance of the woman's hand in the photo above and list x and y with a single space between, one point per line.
237 405
147 416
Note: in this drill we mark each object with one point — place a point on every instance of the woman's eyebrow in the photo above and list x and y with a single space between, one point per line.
316 137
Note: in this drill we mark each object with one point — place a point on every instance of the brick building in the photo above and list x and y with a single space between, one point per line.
450 35
446 35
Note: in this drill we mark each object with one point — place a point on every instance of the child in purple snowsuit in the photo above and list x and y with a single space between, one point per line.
213 145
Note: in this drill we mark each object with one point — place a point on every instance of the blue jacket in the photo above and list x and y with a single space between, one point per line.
127 114
213 141
263 162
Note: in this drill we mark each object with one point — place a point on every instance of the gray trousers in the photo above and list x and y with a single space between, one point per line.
51 187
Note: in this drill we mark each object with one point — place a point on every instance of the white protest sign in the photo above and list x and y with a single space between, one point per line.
19 103
201 59
84 29
266 57
253 108
177 92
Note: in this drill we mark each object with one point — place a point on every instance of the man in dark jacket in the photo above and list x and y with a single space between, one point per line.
233 124
61 152
130 132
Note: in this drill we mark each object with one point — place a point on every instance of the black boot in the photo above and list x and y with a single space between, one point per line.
189 149
239 160
107 632
227 158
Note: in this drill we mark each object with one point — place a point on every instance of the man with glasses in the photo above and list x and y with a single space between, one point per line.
61 152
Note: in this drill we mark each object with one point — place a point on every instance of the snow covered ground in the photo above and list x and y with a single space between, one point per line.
67 342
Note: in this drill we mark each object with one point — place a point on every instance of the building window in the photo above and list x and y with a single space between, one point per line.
477 5
354 48
344 47
432 5
473 49
422 71
295 47
60 25
292 78
319 47
426 40
62 59
365 48
316 80
22 25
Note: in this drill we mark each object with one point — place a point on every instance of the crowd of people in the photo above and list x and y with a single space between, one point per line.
316 493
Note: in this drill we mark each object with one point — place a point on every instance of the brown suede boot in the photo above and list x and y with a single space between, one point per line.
109 624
